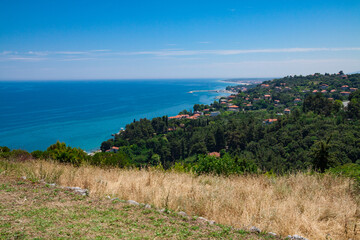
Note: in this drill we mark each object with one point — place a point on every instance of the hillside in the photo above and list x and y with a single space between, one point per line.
277 125
313 206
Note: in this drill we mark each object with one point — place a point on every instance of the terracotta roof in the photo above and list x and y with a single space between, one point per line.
233 106
214 154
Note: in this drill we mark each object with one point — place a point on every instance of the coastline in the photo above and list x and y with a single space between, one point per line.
91 111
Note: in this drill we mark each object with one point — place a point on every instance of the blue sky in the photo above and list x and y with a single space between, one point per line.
44 40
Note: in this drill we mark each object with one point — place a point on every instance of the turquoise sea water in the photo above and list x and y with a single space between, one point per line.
34 115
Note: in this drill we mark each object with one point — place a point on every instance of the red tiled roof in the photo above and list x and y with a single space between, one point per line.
233 106
214 154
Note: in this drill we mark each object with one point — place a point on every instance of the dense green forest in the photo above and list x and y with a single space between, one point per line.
287 124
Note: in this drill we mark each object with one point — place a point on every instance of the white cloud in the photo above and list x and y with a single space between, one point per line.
101 50
26 58
237 51
5 52
71 53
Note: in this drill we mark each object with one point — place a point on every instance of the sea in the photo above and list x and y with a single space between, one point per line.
36 114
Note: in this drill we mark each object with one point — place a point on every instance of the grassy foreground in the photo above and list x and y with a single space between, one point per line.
313 206
33 210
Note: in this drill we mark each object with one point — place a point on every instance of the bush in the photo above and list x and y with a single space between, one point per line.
351 170
62 153
225 165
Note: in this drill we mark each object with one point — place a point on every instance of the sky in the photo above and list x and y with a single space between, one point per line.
84 39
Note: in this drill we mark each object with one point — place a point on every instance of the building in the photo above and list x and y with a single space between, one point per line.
114 149
324 86
214 114
353 89
233 108
344 87
214 154
287 111
345 93
269 121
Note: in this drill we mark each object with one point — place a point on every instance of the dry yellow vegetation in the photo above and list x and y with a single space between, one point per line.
313 206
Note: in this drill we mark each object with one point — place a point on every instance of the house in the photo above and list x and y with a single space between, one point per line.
214 154
331 99
344 76
315 91
332 91
287 111
287 89
269 121
233 108
114 149
181 116
297 100
282 84
324 86
265 85
323 91
278 89
267 97
256 99
344 87
353 89
277 101
345 93
206 110
214 114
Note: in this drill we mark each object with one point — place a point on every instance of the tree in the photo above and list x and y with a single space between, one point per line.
220 139
106 145
321 155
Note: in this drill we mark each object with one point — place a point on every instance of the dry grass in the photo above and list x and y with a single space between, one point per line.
313 206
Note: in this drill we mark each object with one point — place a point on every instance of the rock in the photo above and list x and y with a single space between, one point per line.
181 213
23 177
147 206
297 237
272 234
108 197
162 210
255 229
132 202
83 192
52 184
211 222
115 199
202 219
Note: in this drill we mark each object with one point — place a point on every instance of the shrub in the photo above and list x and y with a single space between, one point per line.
225 165
66 154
